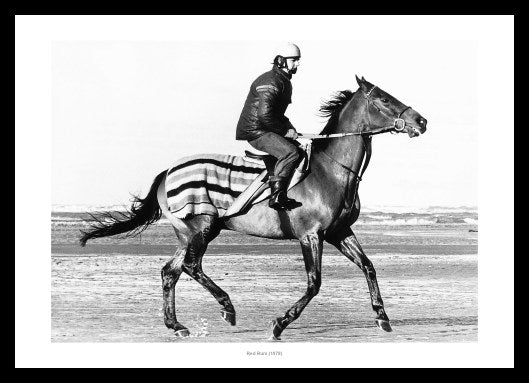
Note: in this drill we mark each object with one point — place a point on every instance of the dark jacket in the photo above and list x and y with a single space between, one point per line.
264 109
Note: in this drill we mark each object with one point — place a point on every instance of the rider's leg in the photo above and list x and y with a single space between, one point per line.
288 156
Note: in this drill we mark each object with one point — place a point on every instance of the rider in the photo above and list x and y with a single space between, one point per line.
263 123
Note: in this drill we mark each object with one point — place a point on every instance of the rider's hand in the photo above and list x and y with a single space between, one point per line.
291 133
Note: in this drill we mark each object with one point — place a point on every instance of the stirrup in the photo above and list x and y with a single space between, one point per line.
284 204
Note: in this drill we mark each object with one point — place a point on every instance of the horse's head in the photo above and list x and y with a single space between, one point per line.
384 113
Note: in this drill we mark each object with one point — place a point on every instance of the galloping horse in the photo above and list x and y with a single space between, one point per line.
329 206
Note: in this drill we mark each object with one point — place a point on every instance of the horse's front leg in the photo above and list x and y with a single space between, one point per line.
311 246
350 247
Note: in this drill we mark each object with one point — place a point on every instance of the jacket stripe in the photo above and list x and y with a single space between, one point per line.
266 87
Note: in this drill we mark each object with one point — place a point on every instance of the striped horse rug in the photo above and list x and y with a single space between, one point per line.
208 183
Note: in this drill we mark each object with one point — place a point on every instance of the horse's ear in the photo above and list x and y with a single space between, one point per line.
362 83
358 81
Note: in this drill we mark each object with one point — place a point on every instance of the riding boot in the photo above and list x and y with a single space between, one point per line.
278 194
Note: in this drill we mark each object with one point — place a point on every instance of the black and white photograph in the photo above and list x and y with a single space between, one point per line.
225 197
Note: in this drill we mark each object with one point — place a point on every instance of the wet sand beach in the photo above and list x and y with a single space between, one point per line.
110 291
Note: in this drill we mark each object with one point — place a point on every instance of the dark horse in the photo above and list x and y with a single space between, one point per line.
329 198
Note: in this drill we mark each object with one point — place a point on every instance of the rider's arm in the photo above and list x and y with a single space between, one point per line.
268 117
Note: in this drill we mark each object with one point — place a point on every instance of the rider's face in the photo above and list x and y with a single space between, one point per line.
292 64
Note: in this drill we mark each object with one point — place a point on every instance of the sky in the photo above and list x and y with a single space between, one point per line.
122 111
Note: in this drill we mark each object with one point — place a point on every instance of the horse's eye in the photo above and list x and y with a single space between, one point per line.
384 100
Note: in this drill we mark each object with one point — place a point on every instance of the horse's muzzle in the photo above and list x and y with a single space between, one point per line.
422 124
417 127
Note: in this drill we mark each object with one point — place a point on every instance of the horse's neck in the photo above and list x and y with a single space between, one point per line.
348 151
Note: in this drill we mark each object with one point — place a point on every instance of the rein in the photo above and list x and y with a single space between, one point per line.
367 148
366 140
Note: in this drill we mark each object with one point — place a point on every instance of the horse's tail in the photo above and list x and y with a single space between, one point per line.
143 212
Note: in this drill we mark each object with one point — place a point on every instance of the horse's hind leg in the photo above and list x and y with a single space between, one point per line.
205 231
170 274
311 246
194 269
188 258
349 246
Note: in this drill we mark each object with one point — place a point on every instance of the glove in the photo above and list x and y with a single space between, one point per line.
291 133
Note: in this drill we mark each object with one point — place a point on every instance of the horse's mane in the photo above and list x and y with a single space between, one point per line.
331 109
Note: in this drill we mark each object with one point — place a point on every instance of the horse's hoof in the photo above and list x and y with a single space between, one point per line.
274 339
183 333
384 325
228 317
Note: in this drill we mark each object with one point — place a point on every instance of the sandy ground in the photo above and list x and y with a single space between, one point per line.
100 296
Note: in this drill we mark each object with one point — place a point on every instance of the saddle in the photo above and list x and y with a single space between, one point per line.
269 161
259 190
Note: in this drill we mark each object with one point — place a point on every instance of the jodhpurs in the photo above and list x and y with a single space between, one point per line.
286 151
